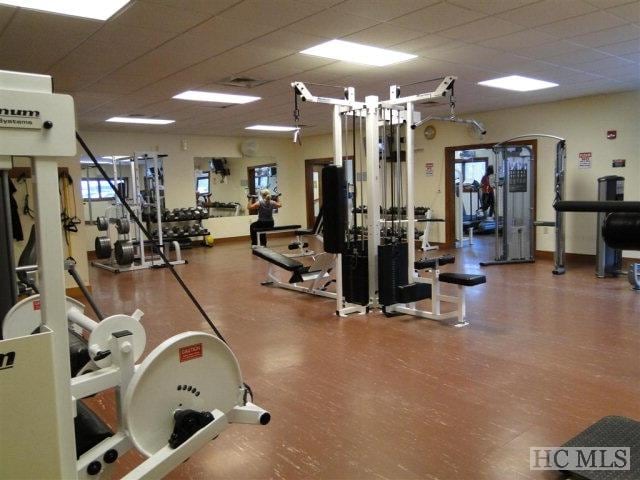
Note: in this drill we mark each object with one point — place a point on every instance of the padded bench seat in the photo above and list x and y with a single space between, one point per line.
279 228
464 279
282 261
433 262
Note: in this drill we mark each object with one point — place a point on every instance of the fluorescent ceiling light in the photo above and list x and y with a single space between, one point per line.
200 96
95 9
145 121
518 83
357 53
271 128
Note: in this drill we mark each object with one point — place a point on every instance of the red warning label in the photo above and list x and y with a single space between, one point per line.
190 352
36 304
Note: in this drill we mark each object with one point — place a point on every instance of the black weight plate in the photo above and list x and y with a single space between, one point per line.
103 247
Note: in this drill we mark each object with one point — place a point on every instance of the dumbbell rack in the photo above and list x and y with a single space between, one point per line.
188 216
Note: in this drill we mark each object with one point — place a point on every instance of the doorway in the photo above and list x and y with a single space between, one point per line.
464 205
313 186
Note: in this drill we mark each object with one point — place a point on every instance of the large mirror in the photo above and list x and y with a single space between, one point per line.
222 184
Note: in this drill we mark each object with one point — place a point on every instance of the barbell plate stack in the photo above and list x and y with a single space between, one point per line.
122 225
103 247
102 223
124 252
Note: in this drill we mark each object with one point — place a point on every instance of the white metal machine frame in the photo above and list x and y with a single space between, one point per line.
38 400
141 259
398 110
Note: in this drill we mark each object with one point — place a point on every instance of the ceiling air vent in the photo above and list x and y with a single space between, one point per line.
241 82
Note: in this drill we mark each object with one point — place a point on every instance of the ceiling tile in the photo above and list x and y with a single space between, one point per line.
436 18
548 49
330 24
382 10
483 29
120 83
591 22
515 41
547 11
629 12
608 65
608 3
207 6
121 34
383 35
276 13
87 101
491 7
149 15
5 15
578 56
424 42
286 66
634 57
622 48
608 36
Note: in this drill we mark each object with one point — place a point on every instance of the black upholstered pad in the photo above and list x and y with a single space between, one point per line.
278 259
464 279
278 228
90 429
611 431
431 262
78 352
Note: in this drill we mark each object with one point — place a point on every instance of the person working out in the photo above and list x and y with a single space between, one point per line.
265 206
488 198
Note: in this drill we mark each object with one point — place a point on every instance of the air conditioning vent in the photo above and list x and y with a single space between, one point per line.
241 82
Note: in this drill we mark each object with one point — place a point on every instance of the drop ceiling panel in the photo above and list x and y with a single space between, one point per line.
629 12
483 29
436 18
491 7
576 57
206 6
275 13
120 34
591 22
5 15
330 24
384 35
543 51
515 41
155 16
608 36
423 43
286 66
547 11
622 48
382 10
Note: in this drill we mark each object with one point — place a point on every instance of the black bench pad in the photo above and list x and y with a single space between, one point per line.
78 352
90 429
278 228
304 231
282 261
464 279
431 262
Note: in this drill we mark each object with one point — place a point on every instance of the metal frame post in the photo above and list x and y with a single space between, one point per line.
337 160
410 191
53 307
373 195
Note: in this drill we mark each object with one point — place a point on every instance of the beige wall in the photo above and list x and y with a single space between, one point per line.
582 121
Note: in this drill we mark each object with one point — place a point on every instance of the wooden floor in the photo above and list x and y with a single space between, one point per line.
371 397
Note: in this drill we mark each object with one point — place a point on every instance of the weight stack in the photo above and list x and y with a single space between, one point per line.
334 207
393 264
355 277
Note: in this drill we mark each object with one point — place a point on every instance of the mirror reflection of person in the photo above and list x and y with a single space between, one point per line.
265 205
488 196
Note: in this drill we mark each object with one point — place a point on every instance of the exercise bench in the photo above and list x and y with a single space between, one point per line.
432 265
314 278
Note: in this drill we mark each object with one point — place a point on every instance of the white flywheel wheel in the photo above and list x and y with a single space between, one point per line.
192 370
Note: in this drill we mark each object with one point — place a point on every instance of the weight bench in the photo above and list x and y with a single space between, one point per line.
316 276
271 230
456 317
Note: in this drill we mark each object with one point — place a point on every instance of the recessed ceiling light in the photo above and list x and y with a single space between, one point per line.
145 121
271 128
200 96
357 53
97 10
518 83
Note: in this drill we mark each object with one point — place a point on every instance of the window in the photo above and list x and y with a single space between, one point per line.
99 189
203 184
